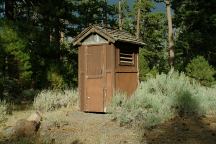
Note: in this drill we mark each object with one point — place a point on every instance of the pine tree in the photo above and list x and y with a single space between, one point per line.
196 30
153 32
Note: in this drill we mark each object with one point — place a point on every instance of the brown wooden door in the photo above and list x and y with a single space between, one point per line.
94 93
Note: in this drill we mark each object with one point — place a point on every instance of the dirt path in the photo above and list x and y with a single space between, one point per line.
85 128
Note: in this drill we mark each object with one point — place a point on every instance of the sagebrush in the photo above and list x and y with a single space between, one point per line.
49 100
161 98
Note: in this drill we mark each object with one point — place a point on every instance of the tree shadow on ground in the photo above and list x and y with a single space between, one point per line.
188 127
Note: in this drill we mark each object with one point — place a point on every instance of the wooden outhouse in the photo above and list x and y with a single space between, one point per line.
108 61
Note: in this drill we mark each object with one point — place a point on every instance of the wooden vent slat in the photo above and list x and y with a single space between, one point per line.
129 62
125 54
126 58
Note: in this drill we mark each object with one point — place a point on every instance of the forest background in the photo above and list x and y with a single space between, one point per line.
36 51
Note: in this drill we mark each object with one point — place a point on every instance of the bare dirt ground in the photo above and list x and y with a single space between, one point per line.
184 130
69 127
87 128
74 127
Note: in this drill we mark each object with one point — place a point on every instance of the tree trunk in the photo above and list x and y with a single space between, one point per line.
105 20
138 19
120 15
57 38
170 35
9 9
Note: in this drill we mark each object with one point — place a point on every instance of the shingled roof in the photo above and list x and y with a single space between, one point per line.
112 35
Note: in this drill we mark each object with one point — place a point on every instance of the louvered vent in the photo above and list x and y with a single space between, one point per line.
126 57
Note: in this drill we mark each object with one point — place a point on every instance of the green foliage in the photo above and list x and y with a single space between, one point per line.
154 35
195 30
161 98
40 24
70 65
153 72
153 29
200 69
15 47
143 66
95 12
55 79
15 65
49 100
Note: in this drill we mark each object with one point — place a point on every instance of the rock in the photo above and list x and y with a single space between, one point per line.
25 127
36 117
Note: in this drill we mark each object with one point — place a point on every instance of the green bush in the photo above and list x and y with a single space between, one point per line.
56 80
200 69
49 100
161 98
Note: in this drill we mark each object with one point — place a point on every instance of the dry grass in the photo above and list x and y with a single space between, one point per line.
3 111
50 100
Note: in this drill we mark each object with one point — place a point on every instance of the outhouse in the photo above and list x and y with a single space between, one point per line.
108 61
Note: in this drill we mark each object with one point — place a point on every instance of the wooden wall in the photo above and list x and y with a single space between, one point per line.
110 66
81 75
114 75
126 76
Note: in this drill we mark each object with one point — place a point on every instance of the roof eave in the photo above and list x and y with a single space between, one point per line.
133 42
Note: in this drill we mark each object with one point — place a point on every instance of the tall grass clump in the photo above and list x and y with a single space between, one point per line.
49 100
161 98
3 111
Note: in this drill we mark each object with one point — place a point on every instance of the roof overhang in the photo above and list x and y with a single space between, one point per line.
85 33
132 42
106 34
